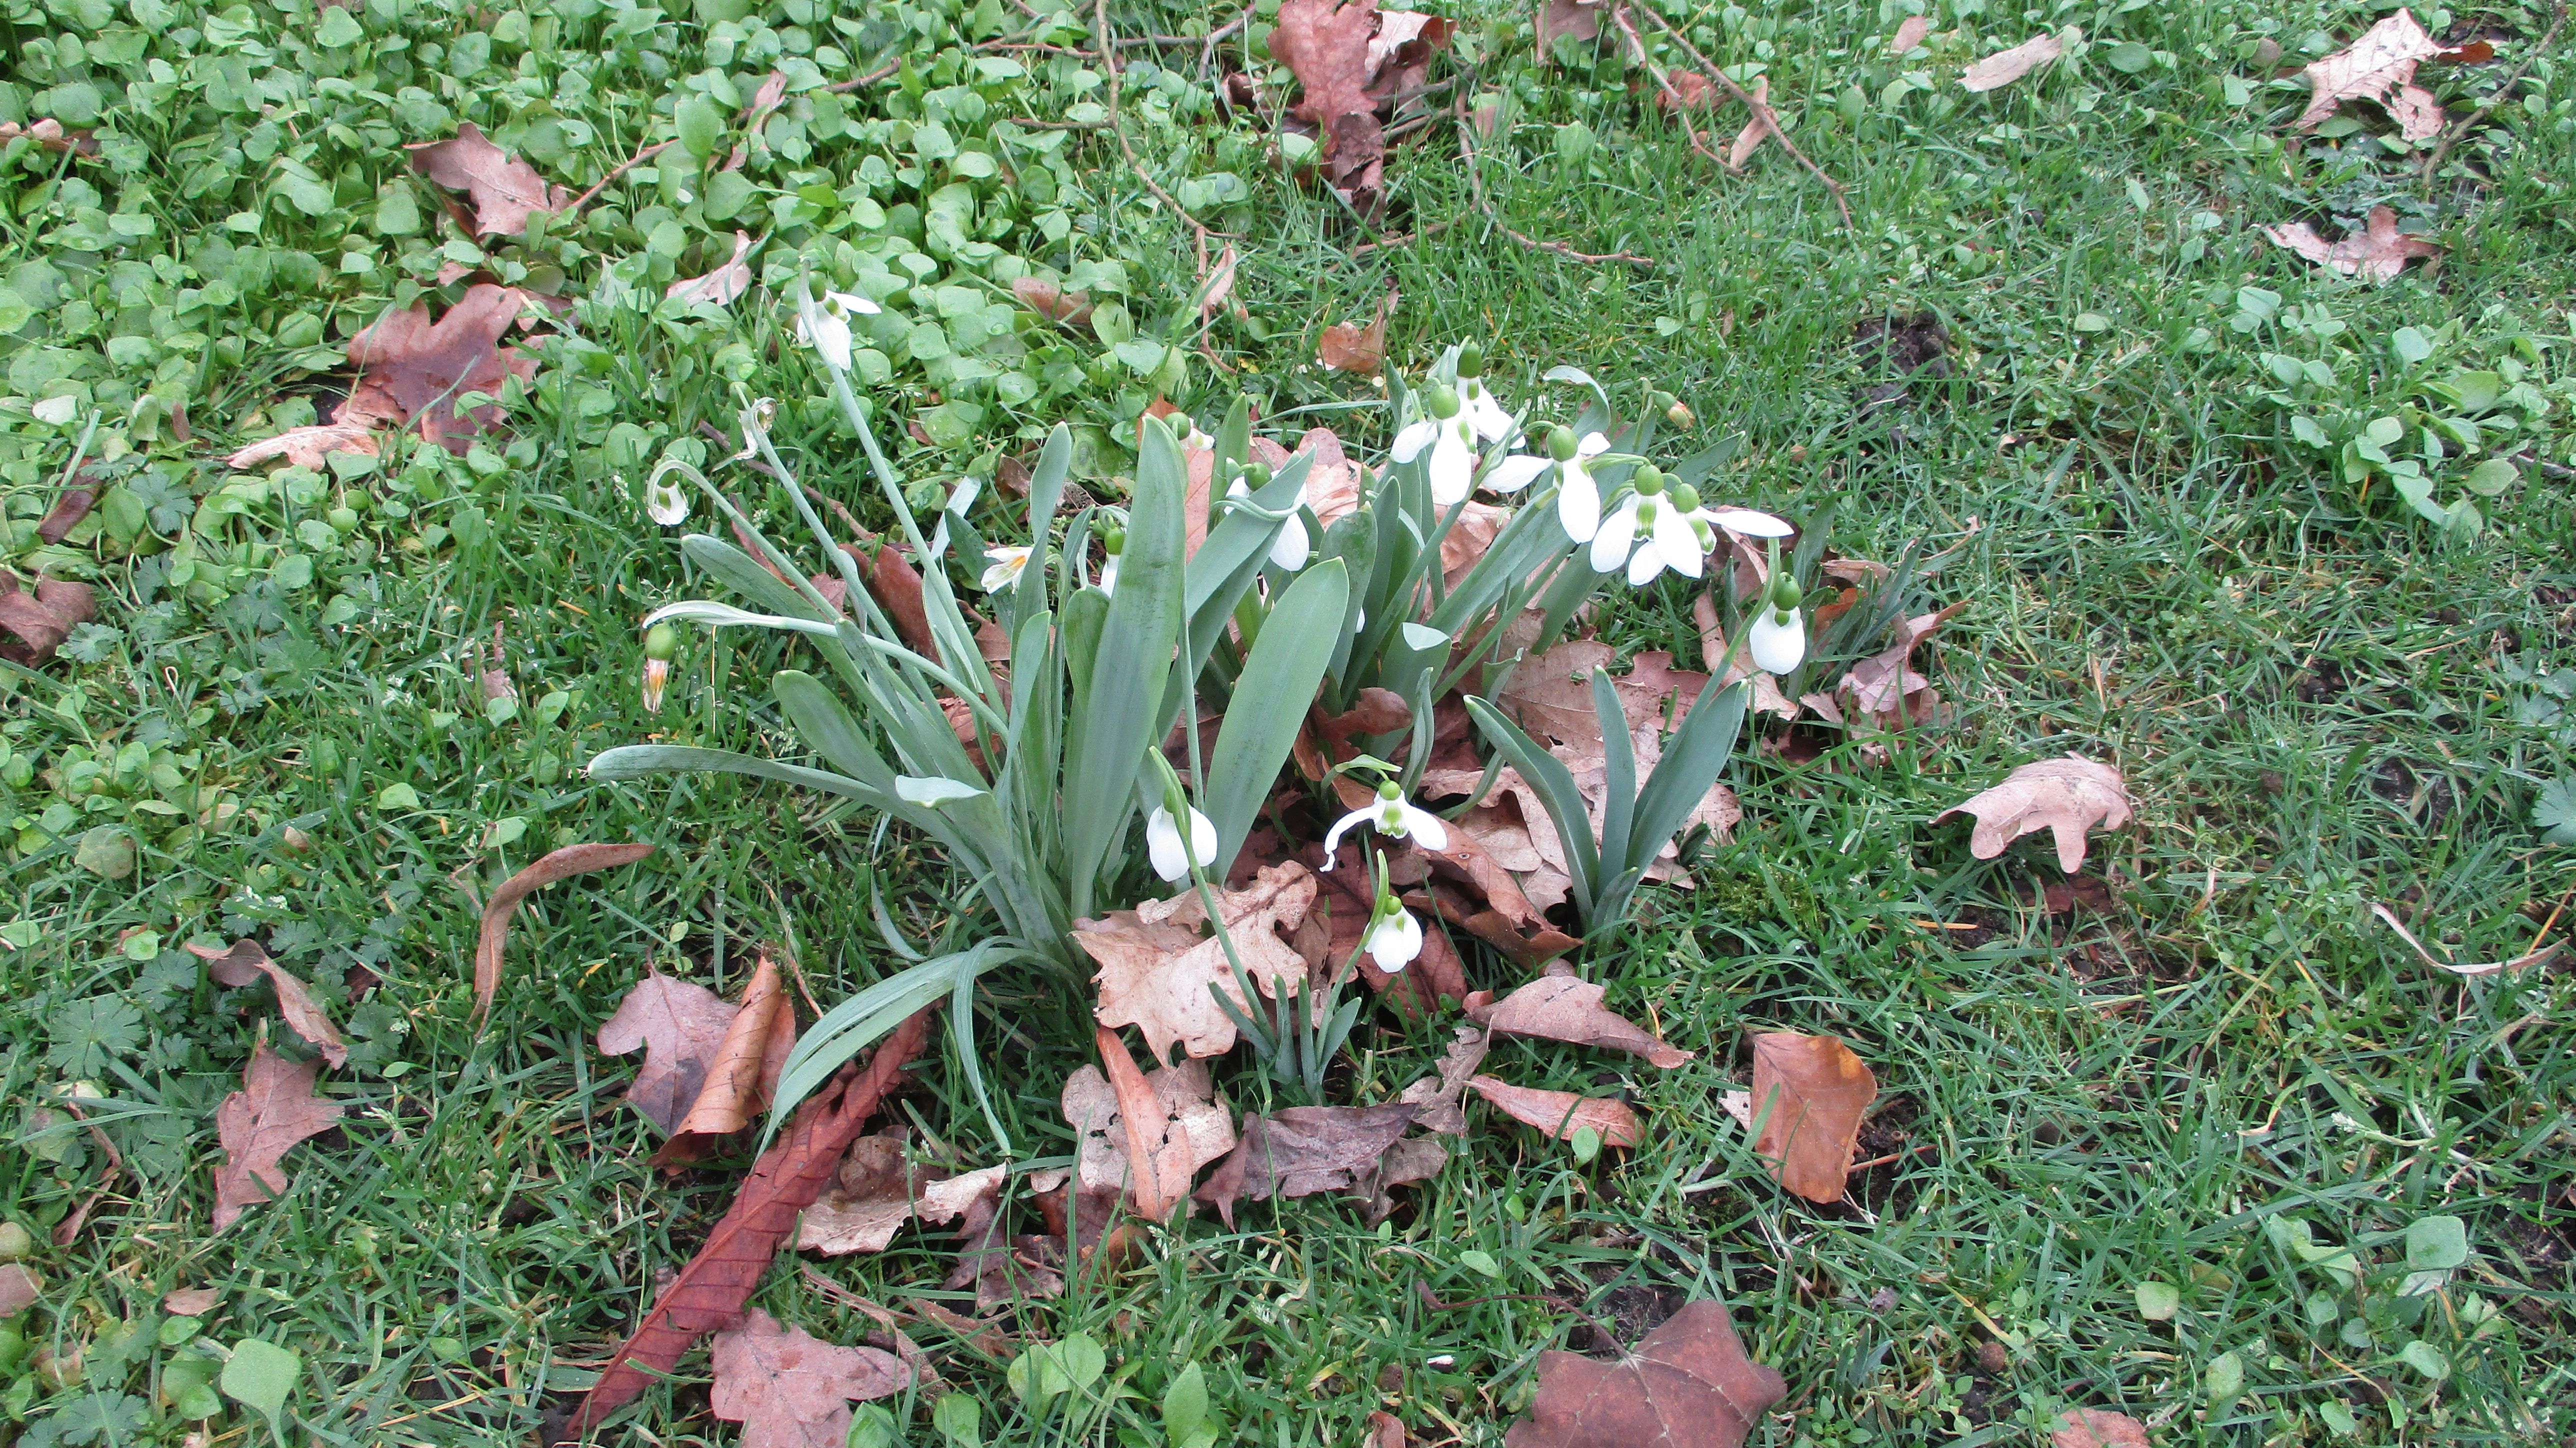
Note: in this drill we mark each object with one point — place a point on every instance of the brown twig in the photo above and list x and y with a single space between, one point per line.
1476 185
69 1231
629 164
1664 82
871 78
1408 239
2452 136
1109 62
1207 52
1761 111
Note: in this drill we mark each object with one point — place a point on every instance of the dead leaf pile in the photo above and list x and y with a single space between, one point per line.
2378 252
1301 1150
1143 1133
2065 796
709 1068
790 1389
259 1124
1687 1382
1356 69
2379 67
38 621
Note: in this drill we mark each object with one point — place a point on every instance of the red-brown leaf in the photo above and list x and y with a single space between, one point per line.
709 1293
258 1124
66 514
246 962
563 864
790 1389
1687 1384
42 619
1562 1008
503 188
1562 1113
1822 1092
414 367
679 1025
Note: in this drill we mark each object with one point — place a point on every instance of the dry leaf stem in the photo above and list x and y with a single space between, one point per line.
630 163
2451 137
1761 111
1664 83
1108 43
1476 184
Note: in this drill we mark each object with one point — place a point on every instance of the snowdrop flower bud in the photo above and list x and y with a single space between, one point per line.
1471 360
1444 402
1394 937
1674 412
661 641
1171 858
1778 639
1561 444
1114 541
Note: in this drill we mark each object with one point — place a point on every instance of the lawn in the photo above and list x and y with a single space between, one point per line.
2155 1138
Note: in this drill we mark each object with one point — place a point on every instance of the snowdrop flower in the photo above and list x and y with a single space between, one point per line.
1172 859
1294 543
1655 525
1778 638
1484 411
1452 440
1114 540
1394 937
1514 473
826 327
661 641
1390 814
1578 497
664 503
1005 568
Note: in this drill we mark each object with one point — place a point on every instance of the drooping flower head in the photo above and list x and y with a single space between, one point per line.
1005 567
1113 541
1578 496
1390 814
1172 857
661 641
1294 543
1777 639
827 327
1394 937
1452 440
1484 411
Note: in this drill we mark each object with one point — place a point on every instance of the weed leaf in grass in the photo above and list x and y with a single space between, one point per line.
1816 1092
2380 67
2006 66
503 188
2554 813
304 1015
1562 1114
1144 1133
2067 796
258 1124
2097 1428
790 1389
561 864
260 1375
2378 253
1688 1381
1301 1150
41 619
1562 1008
679 1025
1155 968
721 286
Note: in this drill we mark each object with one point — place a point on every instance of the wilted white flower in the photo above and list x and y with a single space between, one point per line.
664 502
1005 568
828 330
1390 814
1163 844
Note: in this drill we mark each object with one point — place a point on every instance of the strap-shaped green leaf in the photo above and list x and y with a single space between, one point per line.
1261 721
743 574
865 1018
1555 785
1693 759
1619 771
1137 639
642 761
1046 490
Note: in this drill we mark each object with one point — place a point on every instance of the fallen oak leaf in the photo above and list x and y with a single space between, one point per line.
710 1291
719 287
2006 66
2066 796
41 619
1816 1091
1354 347
1298 1151
258 1124
679 1025
790 1389
2380 67
414 368
2097 1428
304 1015
1155 969
2378 253
1562 1113
1688 1382
561 864
504 189
1562 1008
1146 1133
1437 1097
743 1070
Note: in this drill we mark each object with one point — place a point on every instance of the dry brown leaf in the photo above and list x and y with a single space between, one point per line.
191 1301
2378 253
680 1025
1155 969
1412 1159
562 864
1301 1150
746 1063
1749 140
1217 293
258 1124
720 286
1468 539
1385 1430
41 620
1165 1115
1687 1384
2097 1428
2006 66
1353 347
415 368
503 188
872 1195
1910 32
1884 690
1051 301
1562 1113
1438 1096
20 1288
308 447
790 1389
65 515
49 133
304 1015
1567 20
2067 796
1562 1008
1000 1267
1823 1091
1325 44
2380 66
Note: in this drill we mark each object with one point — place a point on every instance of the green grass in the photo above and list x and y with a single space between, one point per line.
2319 703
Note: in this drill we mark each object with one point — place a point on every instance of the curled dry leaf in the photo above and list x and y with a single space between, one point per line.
20 1289
49 133
65 514
562 864
872 1195
680 1025
304 1015
2006 66
415 368
1301 1150
1562 1113
1144 1132
39 621
1883 691
1156 967
1749 140
1437 1097
2378 253
503 188
1817 1091
260 1123
1562 1008
191 1301
790 1389
743 1071
2097 1428
1688 1382
1354 347
1216 294
1910 33
1051 301
2067 796
308 447
2380 67
721 286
